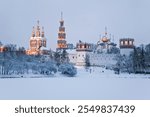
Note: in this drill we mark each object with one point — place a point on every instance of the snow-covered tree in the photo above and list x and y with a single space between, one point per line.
114 50
138 58
87 60
137 62
61 56
67 69
147 57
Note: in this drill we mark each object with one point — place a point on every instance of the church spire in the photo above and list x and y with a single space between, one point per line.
61 21
61 15
38 29
105 38
33 32
43 32
105 31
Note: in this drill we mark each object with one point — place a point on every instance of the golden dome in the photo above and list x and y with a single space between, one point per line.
105 39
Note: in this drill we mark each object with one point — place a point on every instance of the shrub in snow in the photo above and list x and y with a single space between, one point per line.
67 69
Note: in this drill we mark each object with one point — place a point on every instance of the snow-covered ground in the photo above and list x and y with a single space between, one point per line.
97 84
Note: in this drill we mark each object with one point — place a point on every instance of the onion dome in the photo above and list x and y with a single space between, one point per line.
105 39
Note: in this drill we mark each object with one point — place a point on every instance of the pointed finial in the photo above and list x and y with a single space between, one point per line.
105 30
42 31
61 15
38 22
33 32
33 29
61 21
38 33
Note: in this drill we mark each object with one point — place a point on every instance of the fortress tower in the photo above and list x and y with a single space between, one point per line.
126 46
83 51
61 42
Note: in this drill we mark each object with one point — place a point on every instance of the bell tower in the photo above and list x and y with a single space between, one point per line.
61 42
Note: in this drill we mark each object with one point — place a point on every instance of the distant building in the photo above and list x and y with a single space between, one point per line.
126 46
37 41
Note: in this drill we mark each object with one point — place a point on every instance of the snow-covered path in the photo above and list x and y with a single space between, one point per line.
99 84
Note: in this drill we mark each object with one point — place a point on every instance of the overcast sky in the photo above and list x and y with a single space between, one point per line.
84 20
